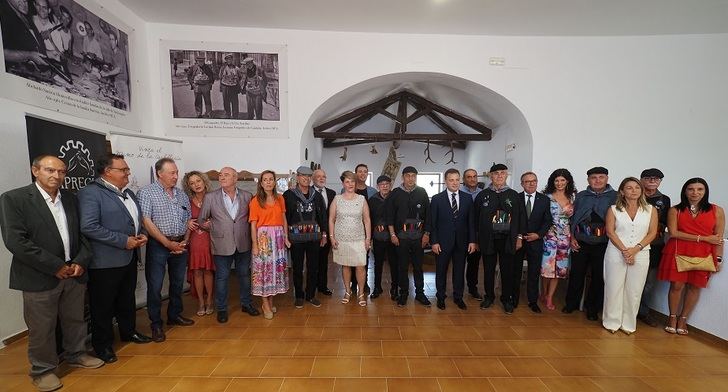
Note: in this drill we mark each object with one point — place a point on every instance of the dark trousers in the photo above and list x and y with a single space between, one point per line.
111 294
471 270
255 106
323 267
158 260
505 260
223 265
532 252
410 251
589 256
309 250
230 100
457 255
655 256
199 97
382 250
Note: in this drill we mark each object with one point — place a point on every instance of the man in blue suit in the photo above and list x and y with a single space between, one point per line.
111 220
452 233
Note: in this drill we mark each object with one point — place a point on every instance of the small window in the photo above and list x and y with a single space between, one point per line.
370 180
432 182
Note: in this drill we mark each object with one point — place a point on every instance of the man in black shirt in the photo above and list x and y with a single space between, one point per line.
407 209
651 179
500 220
382 244
307 228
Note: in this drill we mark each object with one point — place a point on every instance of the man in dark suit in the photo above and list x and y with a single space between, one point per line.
451 224
538 222
111 220
40 228
319 185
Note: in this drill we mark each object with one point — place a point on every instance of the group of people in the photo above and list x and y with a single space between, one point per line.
62 243
246 79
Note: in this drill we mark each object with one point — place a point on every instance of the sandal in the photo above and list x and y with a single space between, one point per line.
209 309
201 310
362 299
668 328
683 331
347 297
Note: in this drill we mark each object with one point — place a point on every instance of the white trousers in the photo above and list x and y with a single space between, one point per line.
623 286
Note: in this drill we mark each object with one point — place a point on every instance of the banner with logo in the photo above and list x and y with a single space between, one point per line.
140 153
77 148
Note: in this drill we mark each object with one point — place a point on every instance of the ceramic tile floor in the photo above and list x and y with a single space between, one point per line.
385 348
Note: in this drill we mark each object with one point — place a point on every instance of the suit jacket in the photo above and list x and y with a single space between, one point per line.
447 230
107 224
540 220
30 234
227 235
330 194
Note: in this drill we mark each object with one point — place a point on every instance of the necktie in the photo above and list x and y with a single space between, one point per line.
454 205
528 206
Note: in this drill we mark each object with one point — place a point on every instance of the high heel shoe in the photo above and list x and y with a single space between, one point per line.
362 299
347 297
209 309
682 331
668 327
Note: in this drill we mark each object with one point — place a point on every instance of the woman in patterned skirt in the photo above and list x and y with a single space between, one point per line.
268 228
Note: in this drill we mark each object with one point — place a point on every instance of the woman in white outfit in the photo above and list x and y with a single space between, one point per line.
631 225
350 230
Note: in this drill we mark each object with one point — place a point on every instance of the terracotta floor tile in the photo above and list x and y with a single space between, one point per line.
255 384
403 348
458 333
480 367
574 348
11 381
576 367
149 384
672 366
14 364
264 333
288 321
360 347
420 333
360 385
432 367
239 367
192 366
710 365
490 348
188 347
541 320
384 367
433 319
621 384
184 333
288 367
465 385
307 385
348 333
497 333
266 348
312 348
534 348
97 384
623 366
140 349
446 348
535 333
336 367
617 347
469 320
413 385
528 367
230 347
577 332
145 366
362 320
324 320
396 321
500 320
223 333
570 384
202 384
518 385
302 333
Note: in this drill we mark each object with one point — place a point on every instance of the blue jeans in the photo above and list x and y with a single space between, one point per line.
157 260
223 265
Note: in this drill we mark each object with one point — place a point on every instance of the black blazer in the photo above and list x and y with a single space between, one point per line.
447 230
540 221
330 194
30 234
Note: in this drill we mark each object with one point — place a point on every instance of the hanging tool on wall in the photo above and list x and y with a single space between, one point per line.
427 153
343 156
374 150
451 151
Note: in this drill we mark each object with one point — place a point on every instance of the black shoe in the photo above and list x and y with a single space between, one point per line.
534 307
402 300
222 316
313 301
515 304
137 338
393 295
461 304
250 309
325 291
508 307
158 335
181 321
441 304
592 316
107 355
567 310
423 300
376 293
486 303
475 294
298 303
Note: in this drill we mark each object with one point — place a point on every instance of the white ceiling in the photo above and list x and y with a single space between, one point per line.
472 17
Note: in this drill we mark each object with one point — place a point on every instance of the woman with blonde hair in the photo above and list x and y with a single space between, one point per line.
200 266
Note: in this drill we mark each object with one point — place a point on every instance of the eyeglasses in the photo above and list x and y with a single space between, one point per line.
123 169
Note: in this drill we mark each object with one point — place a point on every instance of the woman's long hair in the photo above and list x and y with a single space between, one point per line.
186 185
260 192
703 205
570 188
621 202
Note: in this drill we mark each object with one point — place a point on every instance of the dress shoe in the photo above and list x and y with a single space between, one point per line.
181 321
421 298
250 309
534 307
222 316
393 295
486 303
475 294
592 316
315 302
508 307
107 355
567 310
461 304
441 304
137 338
47 382
325 291
158 335
376 293
298 303
85 361
402 300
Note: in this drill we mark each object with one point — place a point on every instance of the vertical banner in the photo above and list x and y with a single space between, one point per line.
140 153
77 148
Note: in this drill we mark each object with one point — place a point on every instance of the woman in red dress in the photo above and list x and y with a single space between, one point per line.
200 266
696 229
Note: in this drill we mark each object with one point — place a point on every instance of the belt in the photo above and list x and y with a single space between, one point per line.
175 238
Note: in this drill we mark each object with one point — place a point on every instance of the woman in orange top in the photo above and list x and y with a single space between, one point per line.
268 228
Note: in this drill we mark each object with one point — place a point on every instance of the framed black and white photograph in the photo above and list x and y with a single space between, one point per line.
59 55
225 89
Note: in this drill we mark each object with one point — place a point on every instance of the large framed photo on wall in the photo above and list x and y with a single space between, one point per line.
68 57
224 89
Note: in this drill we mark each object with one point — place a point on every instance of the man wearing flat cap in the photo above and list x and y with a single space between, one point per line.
500 218
307 228
201 78
382 244
230 77
589 242
651 180
406 210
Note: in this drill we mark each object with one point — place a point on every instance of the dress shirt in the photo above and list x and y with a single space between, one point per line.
473 194
59 215
128 203
169 214
232 206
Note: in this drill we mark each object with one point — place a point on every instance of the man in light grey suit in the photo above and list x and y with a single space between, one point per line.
227 210
111 220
